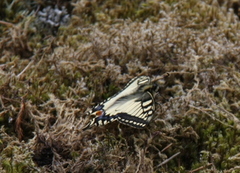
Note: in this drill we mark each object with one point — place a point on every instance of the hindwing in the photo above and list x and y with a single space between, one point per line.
139 112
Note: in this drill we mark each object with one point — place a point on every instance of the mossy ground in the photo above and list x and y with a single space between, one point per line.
50 79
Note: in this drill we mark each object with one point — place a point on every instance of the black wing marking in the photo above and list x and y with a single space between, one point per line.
131 120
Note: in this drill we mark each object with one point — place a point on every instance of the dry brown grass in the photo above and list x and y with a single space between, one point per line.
49 82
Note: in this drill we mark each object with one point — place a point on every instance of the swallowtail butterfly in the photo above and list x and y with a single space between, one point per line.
133 106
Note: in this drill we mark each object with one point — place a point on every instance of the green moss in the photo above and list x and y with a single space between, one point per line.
6 164
60 77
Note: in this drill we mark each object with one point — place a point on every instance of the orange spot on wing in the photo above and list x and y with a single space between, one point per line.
99 113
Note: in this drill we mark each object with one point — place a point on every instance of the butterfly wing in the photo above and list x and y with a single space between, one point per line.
137 111
134 105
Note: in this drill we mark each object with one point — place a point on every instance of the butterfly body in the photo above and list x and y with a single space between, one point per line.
133 106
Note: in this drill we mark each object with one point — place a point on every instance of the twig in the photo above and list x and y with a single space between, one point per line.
200 168
204 110
19 120
166 147
30 63
7 23
167 160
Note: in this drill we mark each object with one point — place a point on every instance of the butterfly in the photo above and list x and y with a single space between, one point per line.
133 106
